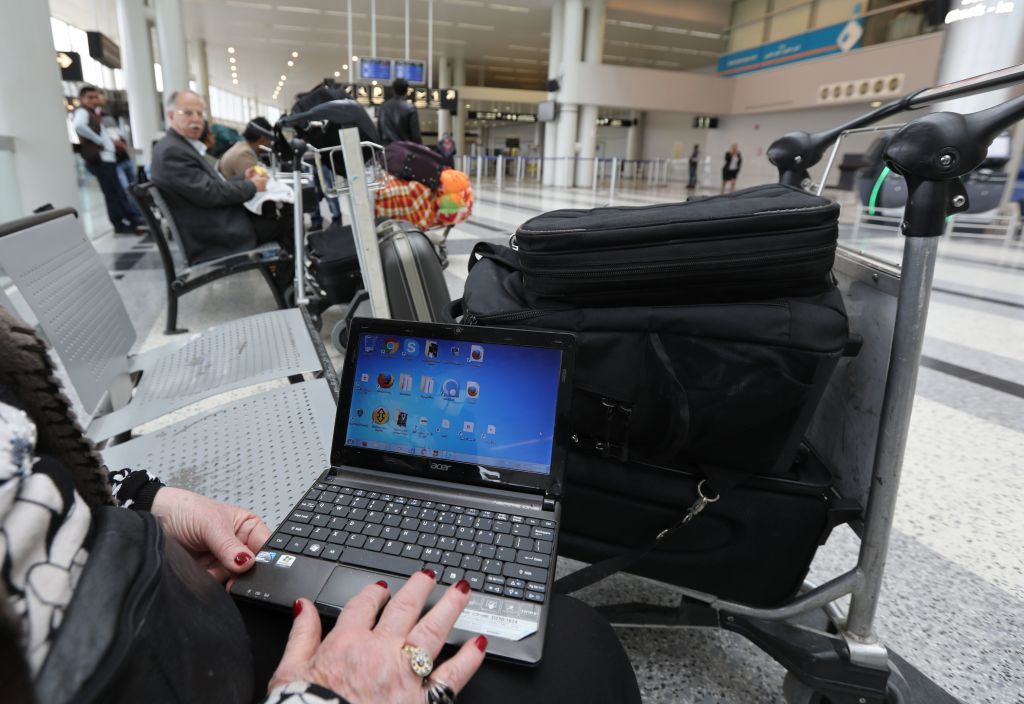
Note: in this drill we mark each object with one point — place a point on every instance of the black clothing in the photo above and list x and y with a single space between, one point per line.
694 163
119 208
398 121
583 660
207 208
730 174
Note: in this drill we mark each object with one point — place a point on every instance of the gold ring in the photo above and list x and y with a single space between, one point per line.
419 660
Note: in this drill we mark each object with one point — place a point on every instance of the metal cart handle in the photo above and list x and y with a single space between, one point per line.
794 153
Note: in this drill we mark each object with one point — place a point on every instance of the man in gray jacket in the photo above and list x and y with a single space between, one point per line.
207 207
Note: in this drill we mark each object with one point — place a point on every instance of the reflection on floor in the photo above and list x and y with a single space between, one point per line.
953 603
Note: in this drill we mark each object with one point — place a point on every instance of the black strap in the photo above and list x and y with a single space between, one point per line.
500 254
719 480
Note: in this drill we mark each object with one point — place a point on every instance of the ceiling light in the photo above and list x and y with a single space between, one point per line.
671 30
295 54
373 83
337 73
705 35
235 81
635 25
354 59
232 60
291 63
344 67
479 27
509 8
231 50
284 77
876 103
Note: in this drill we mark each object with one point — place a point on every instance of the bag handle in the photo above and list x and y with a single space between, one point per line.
502 255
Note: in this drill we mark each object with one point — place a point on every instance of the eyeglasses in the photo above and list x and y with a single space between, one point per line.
191 113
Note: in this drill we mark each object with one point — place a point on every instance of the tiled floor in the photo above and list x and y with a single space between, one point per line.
953 601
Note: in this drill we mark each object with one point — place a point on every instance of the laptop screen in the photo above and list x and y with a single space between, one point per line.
453 400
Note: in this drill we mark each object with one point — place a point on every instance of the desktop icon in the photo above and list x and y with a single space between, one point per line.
467 426
491 430
424 421
450 388
359 413
445 423
369 343
403 419
455 351
385 380
391 345
380 415
405 383
476 353
426 385
365 378
410 348
431 349
472 389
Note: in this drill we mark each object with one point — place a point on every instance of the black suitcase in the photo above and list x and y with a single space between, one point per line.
761 242
727 385
754 545
334 263
413 275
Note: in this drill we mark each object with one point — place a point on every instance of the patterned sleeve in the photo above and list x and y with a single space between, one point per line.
134 488
303 693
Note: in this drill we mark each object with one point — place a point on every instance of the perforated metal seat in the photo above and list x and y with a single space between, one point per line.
69 291
260 452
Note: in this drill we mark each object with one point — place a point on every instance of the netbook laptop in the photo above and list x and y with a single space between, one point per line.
449 453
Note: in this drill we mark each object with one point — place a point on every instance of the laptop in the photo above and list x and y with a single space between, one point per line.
449 452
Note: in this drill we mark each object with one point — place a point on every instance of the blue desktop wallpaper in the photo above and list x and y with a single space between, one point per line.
480 403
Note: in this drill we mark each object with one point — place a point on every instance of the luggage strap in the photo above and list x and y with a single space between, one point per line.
502 255
709 491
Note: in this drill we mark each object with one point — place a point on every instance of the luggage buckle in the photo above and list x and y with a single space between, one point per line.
513 244
698 505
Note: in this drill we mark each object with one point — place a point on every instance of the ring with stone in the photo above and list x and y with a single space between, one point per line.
437 692
419 660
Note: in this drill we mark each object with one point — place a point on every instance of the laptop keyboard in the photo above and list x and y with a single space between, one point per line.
497 553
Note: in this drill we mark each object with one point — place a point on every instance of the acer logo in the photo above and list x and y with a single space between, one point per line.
442 467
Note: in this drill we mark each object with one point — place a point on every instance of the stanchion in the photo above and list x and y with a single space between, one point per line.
479 168
615 178
499 172
593 176
540 168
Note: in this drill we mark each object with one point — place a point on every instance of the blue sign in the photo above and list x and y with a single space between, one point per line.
834 39
371 68
412 71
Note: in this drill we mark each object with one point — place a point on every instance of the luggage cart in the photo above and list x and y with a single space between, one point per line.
834 656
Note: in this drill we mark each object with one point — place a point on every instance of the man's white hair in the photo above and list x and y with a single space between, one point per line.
172 99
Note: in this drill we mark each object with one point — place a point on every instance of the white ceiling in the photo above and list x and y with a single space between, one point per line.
504 44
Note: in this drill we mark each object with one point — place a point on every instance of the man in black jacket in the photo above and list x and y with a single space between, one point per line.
398 120
207 207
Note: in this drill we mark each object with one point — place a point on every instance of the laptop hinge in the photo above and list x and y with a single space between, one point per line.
548 503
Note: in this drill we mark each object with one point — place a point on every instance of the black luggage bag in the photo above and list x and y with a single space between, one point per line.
413 275
414 162
334 263
761 242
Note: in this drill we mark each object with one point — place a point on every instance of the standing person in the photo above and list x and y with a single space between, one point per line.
731 168
446 148
694 163
100 154
398 120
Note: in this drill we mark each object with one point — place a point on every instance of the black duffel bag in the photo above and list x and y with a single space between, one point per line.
761 242
728 385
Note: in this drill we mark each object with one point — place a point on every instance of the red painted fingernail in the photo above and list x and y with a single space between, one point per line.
481 643
296 608
430 573
241 558
463 586
382 583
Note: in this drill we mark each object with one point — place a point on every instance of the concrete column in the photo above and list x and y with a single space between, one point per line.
170 32
593 51
572 48
137 60
634 140
444 80
1000 35
41 168
554 70
200 67
458 69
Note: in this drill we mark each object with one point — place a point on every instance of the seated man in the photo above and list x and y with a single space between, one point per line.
207 207
245 154
397 117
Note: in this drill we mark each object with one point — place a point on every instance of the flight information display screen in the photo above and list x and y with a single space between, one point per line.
371 69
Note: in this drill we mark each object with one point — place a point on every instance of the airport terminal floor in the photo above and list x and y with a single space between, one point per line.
953 597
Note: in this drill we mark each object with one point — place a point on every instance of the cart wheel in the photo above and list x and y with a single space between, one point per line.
339 335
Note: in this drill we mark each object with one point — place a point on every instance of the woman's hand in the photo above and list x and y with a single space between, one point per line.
362 658
222 538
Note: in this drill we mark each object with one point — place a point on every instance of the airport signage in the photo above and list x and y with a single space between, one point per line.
834 39
103 49
497 116
70 63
